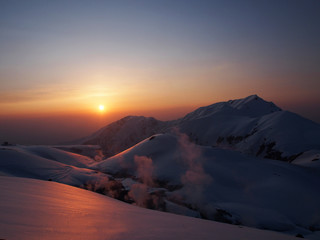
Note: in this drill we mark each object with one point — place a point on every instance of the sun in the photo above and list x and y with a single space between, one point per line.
101 107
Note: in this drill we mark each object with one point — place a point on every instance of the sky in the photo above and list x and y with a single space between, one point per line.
59 60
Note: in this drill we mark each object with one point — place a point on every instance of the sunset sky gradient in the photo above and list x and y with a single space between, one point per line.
60 59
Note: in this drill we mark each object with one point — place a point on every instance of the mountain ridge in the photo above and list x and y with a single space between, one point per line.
250 125
247 103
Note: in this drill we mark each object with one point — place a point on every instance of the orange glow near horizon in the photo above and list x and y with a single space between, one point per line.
129 89
162 99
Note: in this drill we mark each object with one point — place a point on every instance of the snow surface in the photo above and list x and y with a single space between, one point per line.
260 193
92 151
47 163
309 159
34 209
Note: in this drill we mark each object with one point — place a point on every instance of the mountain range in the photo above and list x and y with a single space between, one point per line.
250 125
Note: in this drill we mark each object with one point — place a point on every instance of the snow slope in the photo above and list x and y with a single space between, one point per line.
309 159
55 154
34 209
218 184
92 151
250 125
47 163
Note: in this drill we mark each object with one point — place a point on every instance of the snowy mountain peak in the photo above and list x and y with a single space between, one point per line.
254 106
251 106
238 103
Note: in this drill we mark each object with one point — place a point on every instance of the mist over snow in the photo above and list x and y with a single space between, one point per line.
195 178
139 191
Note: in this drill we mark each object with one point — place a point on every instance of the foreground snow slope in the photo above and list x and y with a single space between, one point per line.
34 209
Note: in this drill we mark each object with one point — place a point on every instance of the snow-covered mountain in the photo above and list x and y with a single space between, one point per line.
124 133
250 125
253 126
34 209
169 173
